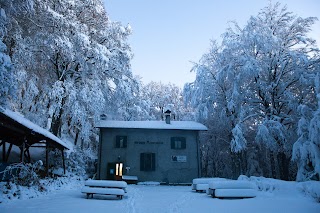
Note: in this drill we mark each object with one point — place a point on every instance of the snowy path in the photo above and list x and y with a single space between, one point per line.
170 199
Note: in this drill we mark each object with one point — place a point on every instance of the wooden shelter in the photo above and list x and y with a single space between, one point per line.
21 132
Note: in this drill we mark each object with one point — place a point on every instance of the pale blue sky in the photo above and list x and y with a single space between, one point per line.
170 34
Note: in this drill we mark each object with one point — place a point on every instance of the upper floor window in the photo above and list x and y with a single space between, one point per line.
178 142
121 141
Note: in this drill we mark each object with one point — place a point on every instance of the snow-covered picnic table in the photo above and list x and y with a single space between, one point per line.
231 189
130 179
224 188
105 187
202 184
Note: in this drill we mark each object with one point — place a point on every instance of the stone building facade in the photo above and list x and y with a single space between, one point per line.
166 152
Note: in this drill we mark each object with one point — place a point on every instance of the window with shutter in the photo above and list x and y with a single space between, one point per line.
147 162
178 143
121 141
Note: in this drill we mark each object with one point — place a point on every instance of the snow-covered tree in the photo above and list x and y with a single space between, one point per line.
70 61
129 101
160 95
6 76
306 150
255 81
7 87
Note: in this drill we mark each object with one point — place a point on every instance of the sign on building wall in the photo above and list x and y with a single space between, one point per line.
148 142
179 158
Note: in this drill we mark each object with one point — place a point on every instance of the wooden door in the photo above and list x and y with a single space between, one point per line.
114 171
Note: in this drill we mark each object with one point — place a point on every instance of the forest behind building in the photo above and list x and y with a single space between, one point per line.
64 63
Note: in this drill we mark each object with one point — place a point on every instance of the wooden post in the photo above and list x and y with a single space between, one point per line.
22 150
47 159
20 154
8 153
28 155
64 165
4 151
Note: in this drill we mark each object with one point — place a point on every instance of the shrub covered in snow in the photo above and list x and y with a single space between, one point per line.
78 162
12 191
311 188
24 180
262 183
23 174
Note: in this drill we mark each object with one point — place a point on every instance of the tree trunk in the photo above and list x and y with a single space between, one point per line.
57 122
272 165
236 164
283 166
244 166
76 138
82 144
56 125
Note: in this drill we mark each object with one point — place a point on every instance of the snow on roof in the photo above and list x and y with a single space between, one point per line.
32 126
176 125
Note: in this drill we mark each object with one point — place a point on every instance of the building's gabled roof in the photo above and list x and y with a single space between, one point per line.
174 125
18 124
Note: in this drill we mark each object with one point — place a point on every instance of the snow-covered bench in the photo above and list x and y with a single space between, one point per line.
231 189
202 184
130 179
105 187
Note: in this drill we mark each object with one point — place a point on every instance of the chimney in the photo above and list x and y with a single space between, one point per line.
167 114
103 117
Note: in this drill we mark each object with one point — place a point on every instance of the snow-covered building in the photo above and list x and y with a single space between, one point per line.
162 151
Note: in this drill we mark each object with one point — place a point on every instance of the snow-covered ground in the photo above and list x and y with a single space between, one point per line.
276 196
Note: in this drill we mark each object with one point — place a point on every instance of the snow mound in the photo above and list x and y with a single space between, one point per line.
10 191
149 183
262 183
310 188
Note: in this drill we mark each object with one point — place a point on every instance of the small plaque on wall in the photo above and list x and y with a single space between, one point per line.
179 158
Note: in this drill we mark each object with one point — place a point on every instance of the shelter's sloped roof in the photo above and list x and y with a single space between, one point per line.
174 125
32 126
